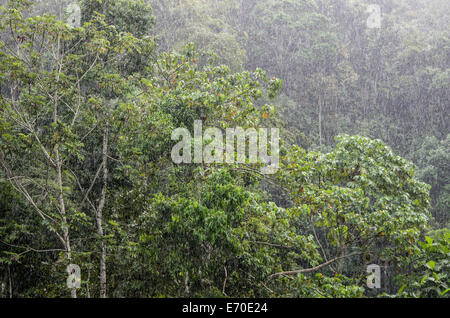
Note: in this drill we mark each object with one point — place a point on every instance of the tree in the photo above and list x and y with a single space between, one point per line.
359 202
204 23
51 102
432 160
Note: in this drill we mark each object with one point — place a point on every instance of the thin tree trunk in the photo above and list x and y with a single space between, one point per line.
58 162
341 260
10 283
101 205
320 121
62 205
87 284
66 235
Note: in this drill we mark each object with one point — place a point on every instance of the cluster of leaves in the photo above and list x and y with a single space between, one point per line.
430 277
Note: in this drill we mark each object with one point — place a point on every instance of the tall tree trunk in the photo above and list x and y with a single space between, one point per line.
59 162
320 120
59 181
62 206
101 205
10 283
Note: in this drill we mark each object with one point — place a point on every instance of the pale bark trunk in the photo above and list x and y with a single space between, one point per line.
341 260
101 205
66 235
10 283
320 121
62 205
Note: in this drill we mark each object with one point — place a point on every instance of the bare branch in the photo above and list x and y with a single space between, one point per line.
312 269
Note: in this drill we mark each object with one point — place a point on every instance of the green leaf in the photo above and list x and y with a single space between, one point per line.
431 265
401 289
423 280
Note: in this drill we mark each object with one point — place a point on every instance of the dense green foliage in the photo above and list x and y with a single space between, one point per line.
86 175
